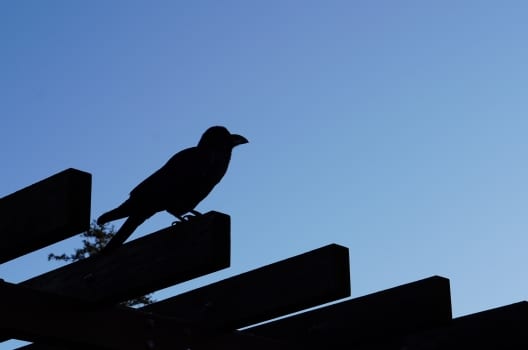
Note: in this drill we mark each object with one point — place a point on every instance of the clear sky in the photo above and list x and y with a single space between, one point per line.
395 128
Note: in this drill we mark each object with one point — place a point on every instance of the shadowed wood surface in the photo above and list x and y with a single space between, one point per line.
290 285
75 306
505 327
383 317
44 213
59 322
33 315
159 260
287 286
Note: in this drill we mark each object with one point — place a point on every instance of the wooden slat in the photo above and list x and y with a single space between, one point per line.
287 286
229 341
159 260
505 327
241 341
33 315
383 317
303 281
156 261
44 213
61 322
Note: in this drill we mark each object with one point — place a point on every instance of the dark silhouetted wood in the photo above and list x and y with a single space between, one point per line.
291 285
383 317
44 213
54 320
32 315
501 328
230 341
242 341
303 281
159 260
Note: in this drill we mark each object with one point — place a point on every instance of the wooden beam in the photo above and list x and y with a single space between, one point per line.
44 213
33 315
290 285
61 322
505 327
287 286
383 317
156 261
229 341
159 260
236 340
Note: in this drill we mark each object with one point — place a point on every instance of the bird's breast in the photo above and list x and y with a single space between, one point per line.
217 164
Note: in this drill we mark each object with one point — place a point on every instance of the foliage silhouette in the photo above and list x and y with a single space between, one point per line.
94 240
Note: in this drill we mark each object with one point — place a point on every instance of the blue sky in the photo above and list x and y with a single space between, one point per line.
397 129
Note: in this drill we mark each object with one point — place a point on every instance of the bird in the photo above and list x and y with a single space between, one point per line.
178 186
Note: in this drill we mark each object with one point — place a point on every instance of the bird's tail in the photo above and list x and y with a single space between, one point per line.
124 232
118 213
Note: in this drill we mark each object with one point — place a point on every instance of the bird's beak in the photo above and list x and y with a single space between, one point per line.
238 140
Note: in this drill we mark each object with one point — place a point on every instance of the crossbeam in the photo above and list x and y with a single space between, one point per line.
44 213
290 285
284 287
504 327
33 315
391 313
156 261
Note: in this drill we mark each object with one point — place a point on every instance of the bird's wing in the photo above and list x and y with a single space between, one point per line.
172 178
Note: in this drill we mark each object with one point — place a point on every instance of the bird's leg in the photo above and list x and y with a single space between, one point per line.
188 217
194 213
180 218
185 218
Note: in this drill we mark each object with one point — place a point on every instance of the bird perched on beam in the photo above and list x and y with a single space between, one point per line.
178 186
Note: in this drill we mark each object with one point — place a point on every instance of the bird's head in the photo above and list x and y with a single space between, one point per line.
220 137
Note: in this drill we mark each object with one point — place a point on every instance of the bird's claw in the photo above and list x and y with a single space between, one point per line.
186 218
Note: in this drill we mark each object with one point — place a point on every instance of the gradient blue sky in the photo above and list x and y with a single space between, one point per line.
395 128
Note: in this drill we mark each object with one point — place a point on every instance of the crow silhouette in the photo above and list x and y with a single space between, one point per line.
178 186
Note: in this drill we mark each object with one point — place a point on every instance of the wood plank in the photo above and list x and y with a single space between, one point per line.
61 322
392 313
33 315
230 341
290 285
159 260
241 341
284 287
44 213
156 261
505 327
